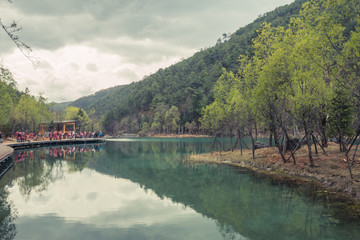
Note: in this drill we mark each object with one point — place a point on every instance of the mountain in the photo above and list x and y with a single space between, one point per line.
187 84
94 100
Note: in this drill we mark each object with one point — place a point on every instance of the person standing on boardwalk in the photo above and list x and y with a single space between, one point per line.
17 134
31 136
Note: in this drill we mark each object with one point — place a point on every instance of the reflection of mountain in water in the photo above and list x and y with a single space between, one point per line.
254 207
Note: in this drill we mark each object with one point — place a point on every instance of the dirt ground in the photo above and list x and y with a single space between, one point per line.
330 171
9 140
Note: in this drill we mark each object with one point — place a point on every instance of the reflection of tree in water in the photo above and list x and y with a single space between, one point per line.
39 176
7 217
34 170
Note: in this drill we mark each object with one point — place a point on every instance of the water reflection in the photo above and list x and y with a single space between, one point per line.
7 217
62 152
144 190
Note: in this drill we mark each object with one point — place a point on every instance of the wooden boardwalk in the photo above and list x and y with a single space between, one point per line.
5 158
5 152
36 144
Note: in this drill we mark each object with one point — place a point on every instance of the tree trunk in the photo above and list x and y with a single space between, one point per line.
252 144
234 146
277 144
213 144
284 143
271 139
231 140
324 139
308 141
314 141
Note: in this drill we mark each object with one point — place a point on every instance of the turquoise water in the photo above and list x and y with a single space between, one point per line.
146 189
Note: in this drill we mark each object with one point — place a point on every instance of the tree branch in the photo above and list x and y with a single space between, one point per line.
23 47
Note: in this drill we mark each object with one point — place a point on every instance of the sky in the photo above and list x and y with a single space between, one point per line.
84 46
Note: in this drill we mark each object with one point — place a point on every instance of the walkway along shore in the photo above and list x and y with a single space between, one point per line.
35 144
7 150
5 158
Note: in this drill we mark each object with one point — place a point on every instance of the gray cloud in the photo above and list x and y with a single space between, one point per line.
194 24
45 65
92 67
140 35
74 66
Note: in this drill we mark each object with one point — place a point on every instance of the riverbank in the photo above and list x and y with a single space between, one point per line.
330 171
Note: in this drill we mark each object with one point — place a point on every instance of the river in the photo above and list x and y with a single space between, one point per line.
146 189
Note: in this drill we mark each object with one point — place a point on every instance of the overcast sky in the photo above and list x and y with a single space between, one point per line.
86 45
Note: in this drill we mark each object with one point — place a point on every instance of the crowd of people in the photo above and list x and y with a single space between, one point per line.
23 137
56 135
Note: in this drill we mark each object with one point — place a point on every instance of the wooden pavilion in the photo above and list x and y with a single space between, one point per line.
60 126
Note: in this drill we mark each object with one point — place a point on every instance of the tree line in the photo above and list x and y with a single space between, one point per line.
21 111
302 79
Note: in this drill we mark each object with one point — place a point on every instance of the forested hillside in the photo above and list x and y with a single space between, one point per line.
186 85
19 110
94 100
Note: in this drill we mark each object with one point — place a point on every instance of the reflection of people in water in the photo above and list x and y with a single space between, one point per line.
23 155
63 152
68 150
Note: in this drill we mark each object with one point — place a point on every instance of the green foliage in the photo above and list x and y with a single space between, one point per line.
6 104
156 127
71 113
188 84
29 113
172 119
87 102
290 76
81 119
342 113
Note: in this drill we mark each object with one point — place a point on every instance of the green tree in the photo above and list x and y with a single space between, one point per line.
29 113
159 116
81 119
71 113
156 127
172 119
6 106
145 129
342 115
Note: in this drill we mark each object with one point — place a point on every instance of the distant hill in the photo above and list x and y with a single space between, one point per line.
60 106
94 100
187 84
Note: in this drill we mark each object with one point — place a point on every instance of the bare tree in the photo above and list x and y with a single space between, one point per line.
12 31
